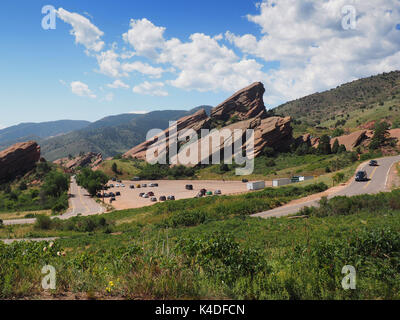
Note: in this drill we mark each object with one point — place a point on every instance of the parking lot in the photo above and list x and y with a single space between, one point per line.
130 197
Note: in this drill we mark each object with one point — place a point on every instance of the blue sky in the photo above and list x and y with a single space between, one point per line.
180 54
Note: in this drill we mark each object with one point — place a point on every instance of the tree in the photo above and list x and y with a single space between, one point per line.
335 147
324 146
92 181
380 135
55 184
114 168
342 149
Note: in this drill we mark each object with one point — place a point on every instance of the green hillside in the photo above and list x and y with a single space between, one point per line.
349 105
38 131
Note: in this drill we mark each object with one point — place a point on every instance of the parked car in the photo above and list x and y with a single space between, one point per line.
117 185
106 195
203 192
361 176
153 199
113 199
199 195
163 198
112 194
99 195
119 181
138 186
209 193
122 186
118 194
155 184
111 186
245 180
144 185
151 194
373 163
114 179
189 187
171 198
132 186
217 192
141 194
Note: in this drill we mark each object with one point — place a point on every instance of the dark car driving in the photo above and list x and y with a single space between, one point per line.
373 163
361 176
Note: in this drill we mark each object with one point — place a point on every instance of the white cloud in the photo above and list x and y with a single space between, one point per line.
145 37
151 88
143 68
109 64
81 89
314 51
62 82
84 31
118 84
202 63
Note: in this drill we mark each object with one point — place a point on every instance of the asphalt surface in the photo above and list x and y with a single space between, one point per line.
79 203
378 177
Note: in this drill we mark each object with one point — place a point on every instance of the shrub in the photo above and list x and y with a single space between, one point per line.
43 222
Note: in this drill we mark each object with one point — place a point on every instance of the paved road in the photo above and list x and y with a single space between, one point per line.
79 203
9 241
378 182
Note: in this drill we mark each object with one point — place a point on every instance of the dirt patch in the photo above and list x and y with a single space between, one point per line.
130 199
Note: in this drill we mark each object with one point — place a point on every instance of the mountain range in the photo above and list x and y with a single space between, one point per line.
109 136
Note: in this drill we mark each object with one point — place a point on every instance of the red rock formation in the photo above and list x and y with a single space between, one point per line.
18 159
245 104
90 159
196 121
247 107
352 140
272 132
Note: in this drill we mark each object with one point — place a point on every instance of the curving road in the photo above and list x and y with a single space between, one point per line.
378 182
79 203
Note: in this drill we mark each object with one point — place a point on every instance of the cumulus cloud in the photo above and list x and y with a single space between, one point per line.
110 65
118 84
313 49
81 89
83 30
143 68
145 37
202 63
151 88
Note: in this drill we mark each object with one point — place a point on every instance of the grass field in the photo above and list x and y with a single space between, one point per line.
160 253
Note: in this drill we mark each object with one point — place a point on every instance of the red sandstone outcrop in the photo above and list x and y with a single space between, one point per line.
196 121
90 159
246 108
352 140
245 104
18 159
272 132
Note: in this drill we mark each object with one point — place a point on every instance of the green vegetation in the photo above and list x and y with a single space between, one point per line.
380 136
234 258
45 188
92 181
361 100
